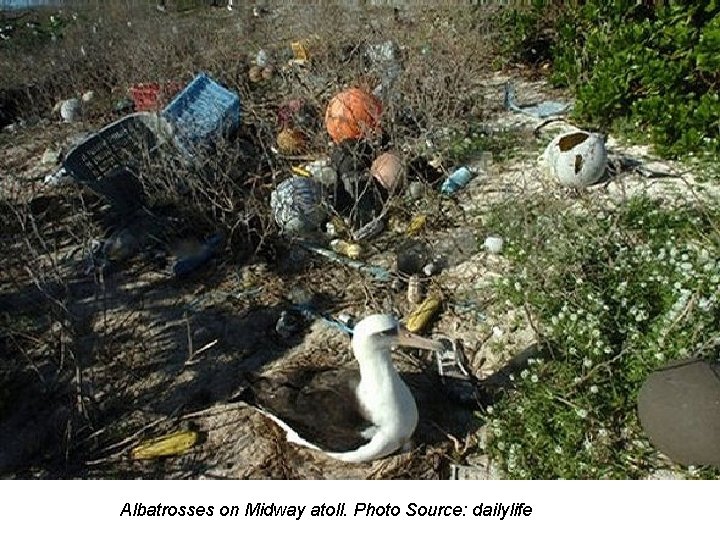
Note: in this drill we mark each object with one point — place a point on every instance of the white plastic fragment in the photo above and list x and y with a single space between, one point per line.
493 244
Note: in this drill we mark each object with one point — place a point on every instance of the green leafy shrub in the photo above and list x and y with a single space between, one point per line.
654 69
615 295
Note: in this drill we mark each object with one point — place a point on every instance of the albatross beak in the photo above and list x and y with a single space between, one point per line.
406 338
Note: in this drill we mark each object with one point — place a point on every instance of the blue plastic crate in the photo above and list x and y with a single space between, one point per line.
203 111
109 161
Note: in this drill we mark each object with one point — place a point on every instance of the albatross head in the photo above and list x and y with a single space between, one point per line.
379 334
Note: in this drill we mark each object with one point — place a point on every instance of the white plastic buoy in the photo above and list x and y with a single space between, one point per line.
70 110
576 159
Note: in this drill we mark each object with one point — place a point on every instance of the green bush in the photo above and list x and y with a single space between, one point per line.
654 69
614 296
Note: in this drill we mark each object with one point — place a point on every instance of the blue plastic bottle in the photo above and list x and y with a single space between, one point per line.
456 180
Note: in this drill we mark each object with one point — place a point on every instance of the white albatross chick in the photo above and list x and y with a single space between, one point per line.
356 425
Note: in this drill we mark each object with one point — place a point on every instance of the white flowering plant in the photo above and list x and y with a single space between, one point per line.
614 295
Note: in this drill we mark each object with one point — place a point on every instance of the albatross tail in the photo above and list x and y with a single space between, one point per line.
381 445
292 435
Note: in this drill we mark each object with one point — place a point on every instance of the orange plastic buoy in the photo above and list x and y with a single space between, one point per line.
352 114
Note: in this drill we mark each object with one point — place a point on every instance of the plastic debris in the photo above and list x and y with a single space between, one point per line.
414 294
376 272
300 51
371 229
421 316
297 205
262 58
416 190
58 178
384 59
202 112
493 244
342 322
453 371
416 225
323 172
168 445
352 114
576 159
70 110
354 251
387 169
456 181
539 110
429 269
186 265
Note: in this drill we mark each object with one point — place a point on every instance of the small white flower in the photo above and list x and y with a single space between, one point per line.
594 389
558 449
587 363
524 373
534 378
582 413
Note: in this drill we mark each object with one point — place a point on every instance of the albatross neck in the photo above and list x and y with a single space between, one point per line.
375 366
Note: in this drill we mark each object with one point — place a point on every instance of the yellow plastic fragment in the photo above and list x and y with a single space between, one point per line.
300 51
417 224
172 444
419 318
301 171
353 251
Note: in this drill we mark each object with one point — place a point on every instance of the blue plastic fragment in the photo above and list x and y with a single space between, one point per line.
538 110
456 180
309 312
377 272
187 265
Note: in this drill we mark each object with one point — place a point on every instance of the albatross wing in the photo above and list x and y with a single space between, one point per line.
316 408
